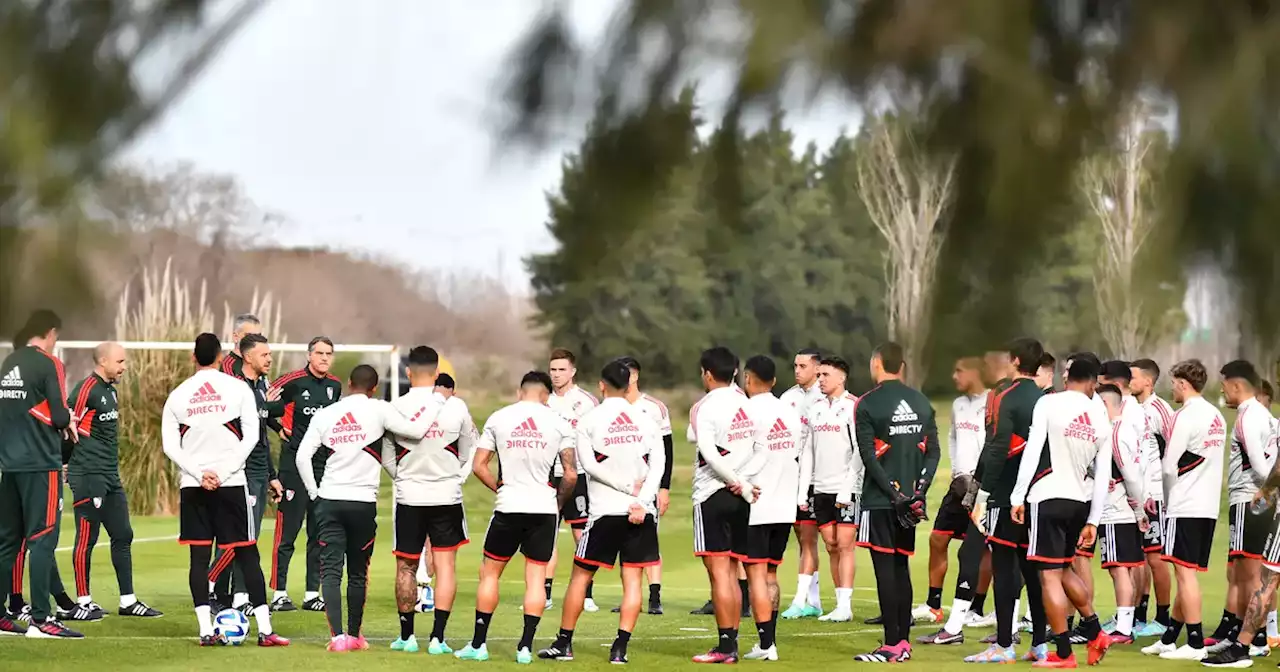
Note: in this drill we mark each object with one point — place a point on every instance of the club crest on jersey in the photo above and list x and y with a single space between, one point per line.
288 495
97 502
330 391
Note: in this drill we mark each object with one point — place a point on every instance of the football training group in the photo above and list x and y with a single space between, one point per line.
1043 481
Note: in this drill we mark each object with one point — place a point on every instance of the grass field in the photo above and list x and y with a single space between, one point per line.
168 643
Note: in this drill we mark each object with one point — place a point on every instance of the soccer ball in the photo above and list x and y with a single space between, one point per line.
426 599
232 626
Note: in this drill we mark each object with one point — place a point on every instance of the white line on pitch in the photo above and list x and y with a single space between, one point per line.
663 638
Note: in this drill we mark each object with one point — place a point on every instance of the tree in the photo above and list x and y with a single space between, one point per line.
907 193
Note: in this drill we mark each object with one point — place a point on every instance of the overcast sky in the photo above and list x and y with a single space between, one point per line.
371 126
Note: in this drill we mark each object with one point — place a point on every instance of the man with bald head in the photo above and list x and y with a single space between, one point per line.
93 472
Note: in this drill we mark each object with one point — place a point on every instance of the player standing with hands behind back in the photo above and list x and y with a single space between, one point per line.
897 435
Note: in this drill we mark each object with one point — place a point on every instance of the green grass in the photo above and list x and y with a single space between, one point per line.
168 644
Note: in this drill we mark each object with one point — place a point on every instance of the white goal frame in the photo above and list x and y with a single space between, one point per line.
392 352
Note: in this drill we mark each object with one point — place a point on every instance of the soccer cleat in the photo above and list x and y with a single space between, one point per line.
655 608
212 640
1273 642
140 609
975 620
1052 660
994 638
10 627
1118 638
942 637
272 640
617 656
246 609
1218 646
878 619
339 644
24 615
715 657
1185 652
438 648
85 613
550 603
215 604
1024 625
837 615
1034 653
904 652
589 605
1077 634
1110 626
557 651
1098 647
468 653
52 629
313 604
1158 649
1149 629
1259 651
884 654
283 603
927 614
407 645
994 654
358 643
707 609
757 653
1233 656
793 612
524 656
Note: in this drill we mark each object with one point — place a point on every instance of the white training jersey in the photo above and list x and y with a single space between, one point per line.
657 411
352 429
723 436
431 471
968 432
210 423
829 459
1126 492
1251 460
1193 461
573 404
1067 437
801 399
619 448
774 465
528 438
1159 426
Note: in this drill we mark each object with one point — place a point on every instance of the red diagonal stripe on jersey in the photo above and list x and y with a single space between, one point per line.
625 418
740 416
1017 444
348 419
1083 418
600 457
881 448
532 425
778 426
207 389
620 420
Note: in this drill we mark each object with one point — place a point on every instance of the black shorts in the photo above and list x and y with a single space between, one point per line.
575 511
608 539
1153 538
1087 551
1271 554
767 543
809 517
1247 532
222 516
445 526
827 513
1121 545
1053 528
952 519
533 534
1188 541
1001 529
720 525
881 532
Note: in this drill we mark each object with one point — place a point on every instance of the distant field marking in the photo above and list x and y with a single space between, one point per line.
318 640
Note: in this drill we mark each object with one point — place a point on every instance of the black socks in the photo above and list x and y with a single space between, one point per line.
935 598
406 624
482 629
530 629
437 628
728 642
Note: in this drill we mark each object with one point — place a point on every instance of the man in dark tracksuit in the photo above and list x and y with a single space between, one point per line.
263 481
896 433
302 394
93 473
34 419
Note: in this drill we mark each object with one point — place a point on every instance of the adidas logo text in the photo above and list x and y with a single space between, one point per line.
12 379
205 394
1081 428
903 413
347 430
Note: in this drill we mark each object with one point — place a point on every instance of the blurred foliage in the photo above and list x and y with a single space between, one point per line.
78 81
1020 92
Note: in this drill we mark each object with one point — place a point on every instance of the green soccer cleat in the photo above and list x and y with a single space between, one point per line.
438 648
407 645
524 656
810 611
467 653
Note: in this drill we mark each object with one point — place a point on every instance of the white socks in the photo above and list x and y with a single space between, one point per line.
815 594
1124 620
205 619
262 614
127 601
1016 612
803 583
844 597
239 599
84 600
955 622
1272 631
310 595
279 594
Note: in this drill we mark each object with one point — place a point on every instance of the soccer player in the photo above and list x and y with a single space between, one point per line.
621 456
774 472
1044 375
1247 468
527 437
209 426
571 402
964 443
1053 497
1145 373
352 430
303 393
723 434
807 602
897 436
94 476
428 490
1011 413
827 458
1192 487
242 325
426 596
34 420
260 471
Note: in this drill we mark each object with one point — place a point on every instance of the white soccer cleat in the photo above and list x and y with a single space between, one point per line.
588 605
1158 649
758 653
972 620
925 613
1185 652
549 604
837 615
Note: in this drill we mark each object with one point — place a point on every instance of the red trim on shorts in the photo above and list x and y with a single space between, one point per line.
826 524
592 563
1243 554
655 563
949 533
877 549
195 542
755 561
1275 567
1184 563
1041 558
806 522
1083 554
407 556
238 544
454 547
1153 549
575 521
991 539
1109 565
498 558
712 554
853 525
